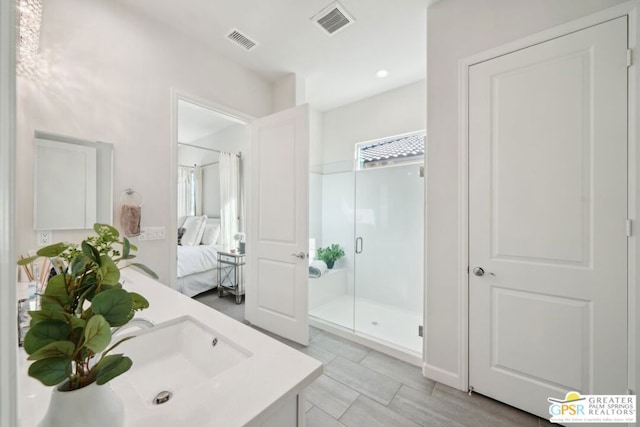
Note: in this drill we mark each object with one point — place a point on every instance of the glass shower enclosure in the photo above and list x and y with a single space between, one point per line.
376 215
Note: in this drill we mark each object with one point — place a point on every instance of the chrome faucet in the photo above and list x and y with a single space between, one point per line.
139 322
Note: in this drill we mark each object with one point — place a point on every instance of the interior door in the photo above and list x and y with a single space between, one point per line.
547 219
278 224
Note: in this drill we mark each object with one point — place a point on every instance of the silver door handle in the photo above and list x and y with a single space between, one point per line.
359 249
479 271
300 255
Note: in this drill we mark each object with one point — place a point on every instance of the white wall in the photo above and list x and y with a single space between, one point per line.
391 113
288 92
458 29
233 139
107 75
189 156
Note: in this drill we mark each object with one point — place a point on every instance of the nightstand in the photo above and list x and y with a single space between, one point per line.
231 274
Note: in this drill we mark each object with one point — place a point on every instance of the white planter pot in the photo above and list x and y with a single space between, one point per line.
91 406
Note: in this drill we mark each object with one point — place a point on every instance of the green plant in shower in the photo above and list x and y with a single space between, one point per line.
79 306
330 254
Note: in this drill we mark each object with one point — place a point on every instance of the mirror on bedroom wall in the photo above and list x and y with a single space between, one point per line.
77 171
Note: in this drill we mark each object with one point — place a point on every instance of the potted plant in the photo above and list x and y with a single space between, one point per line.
69 335
330 254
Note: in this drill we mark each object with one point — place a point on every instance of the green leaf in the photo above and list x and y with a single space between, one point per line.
48 303
77 323
42 315
126 247
115 305
45 332
97 334
51 371
139 302
52 251
55 296
106 230
110 367
54 349
78 264
145 269
91 252
29 260
110 271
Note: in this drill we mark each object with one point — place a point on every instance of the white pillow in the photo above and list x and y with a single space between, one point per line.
216 221
194 228
211 234
201 231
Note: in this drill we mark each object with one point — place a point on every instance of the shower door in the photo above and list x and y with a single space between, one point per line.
389 254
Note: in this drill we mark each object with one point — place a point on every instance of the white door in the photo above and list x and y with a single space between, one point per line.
278 224
547 219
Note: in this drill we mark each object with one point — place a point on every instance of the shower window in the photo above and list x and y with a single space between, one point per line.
398 150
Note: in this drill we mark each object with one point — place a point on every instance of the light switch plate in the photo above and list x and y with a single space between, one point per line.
151 233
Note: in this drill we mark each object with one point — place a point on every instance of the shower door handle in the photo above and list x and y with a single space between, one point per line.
359 247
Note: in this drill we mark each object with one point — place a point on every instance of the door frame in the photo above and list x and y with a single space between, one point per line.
629 9
8 318
223 110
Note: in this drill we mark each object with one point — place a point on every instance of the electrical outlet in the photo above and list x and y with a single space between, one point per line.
151 233
44 238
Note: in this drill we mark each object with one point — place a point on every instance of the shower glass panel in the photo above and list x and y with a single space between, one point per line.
388 273
331 221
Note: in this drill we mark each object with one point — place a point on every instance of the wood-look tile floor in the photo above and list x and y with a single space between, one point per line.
361 387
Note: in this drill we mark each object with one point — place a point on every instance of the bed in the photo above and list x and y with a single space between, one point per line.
197 268
198 254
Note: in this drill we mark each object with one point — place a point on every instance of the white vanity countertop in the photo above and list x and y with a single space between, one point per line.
236 397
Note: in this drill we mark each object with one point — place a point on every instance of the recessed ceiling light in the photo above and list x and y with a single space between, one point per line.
382 73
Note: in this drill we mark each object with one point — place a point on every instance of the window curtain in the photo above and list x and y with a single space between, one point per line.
197 190
229 197
185 191
242 210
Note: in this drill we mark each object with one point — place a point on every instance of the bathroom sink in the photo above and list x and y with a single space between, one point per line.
176 355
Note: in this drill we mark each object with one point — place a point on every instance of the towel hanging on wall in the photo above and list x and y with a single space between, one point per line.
130 212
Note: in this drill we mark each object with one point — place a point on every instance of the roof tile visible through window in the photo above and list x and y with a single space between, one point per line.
407 146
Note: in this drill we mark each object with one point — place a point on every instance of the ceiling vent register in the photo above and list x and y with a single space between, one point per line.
333 18
241 40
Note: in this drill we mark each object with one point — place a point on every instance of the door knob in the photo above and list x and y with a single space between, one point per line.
300 255
479 271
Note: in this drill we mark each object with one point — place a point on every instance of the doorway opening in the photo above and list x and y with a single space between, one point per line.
209 148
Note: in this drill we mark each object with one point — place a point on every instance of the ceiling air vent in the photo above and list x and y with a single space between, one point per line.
241 40
333 18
